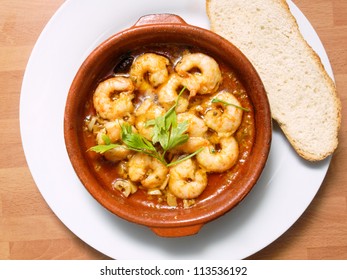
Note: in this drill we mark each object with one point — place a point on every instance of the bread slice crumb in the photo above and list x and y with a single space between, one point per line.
302 96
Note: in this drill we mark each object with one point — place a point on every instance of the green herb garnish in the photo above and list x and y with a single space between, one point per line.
104 147
138 143
166 131
216 100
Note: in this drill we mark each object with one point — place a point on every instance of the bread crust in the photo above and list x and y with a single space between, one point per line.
312 136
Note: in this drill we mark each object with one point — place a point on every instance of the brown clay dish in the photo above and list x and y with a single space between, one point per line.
216 200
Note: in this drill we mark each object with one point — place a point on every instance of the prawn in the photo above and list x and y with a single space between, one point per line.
196 127
219 159
222 118
149 171
196 131
206 79
187 179
112 98
149 70
168 94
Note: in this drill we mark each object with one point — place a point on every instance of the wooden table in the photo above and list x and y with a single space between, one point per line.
29 229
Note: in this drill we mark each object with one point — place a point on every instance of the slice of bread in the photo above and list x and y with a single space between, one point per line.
302 96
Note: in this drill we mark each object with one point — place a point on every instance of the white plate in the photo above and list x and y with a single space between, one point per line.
284 191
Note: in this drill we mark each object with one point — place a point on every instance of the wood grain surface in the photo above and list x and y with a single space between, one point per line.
30 230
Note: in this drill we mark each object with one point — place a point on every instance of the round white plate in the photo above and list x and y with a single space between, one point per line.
287 186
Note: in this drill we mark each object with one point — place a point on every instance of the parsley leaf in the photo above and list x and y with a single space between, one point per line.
177 135
138 143
166 131
135 141
103 148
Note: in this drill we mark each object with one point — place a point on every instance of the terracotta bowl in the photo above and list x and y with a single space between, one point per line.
214 202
